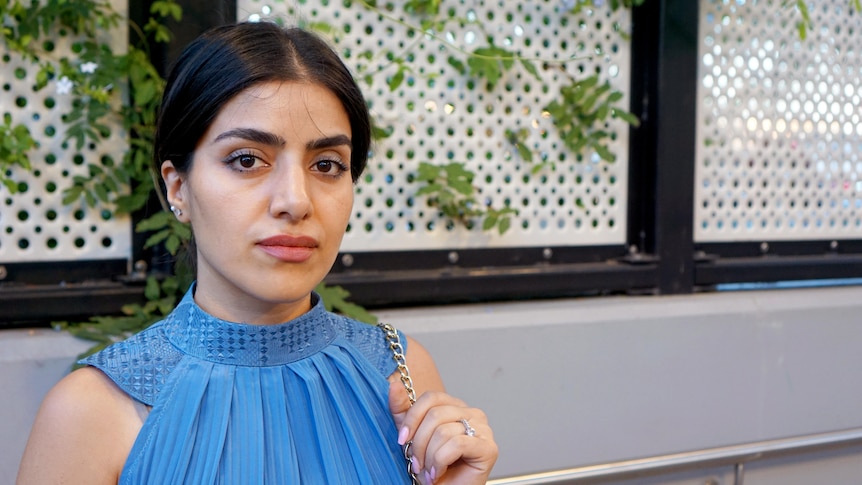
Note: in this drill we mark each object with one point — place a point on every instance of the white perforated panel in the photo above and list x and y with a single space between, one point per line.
34 224
779 131
440 116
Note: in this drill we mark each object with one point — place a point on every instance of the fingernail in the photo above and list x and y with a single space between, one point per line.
433 474
402 435
428 478
415 463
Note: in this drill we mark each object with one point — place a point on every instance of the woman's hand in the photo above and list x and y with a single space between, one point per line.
443 450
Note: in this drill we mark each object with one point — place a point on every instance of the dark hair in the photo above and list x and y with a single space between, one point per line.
225 60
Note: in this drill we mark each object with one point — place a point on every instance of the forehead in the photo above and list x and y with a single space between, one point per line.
292 109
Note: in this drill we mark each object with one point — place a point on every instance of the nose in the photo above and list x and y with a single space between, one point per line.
290 197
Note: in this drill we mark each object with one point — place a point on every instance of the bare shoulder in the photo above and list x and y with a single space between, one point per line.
84 429
423 370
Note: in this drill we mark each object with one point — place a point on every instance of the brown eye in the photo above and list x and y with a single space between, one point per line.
324 166
246 161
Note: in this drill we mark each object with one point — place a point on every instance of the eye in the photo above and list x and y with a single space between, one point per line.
244 162
330 167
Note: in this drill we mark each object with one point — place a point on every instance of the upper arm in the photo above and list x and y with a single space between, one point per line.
423 370
82 433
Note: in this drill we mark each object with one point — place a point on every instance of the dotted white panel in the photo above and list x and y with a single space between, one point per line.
439 116
779 131
34 224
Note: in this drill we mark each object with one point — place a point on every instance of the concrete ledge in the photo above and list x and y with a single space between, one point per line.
568 383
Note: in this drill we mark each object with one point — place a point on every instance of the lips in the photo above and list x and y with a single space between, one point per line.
290 249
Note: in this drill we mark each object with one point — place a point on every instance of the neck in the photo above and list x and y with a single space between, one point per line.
250 311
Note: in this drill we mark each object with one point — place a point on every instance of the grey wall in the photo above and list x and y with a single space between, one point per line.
581 381
576 382
31 361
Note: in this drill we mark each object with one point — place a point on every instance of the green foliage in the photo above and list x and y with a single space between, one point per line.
581 113
335 299
805 24
162 296
15 142
450 189
490 63
577 6
165 229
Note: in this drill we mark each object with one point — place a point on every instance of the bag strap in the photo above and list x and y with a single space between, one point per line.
397 349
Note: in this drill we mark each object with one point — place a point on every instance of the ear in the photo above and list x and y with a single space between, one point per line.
175 184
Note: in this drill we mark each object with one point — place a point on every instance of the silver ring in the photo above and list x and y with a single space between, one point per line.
468 430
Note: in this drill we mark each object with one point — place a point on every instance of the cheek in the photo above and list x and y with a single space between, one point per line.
347 206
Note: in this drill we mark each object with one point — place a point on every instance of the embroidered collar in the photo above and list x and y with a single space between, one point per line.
206 337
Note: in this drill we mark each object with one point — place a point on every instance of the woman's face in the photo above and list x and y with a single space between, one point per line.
268 196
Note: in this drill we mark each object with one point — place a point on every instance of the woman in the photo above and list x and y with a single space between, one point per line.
261 134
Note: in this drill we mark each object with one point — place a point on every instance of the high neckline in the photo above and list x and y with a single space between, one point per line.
199 334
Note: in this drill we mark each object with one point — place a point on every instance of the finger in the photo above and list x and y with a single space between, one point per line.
428 401
470 457
399 402
441 423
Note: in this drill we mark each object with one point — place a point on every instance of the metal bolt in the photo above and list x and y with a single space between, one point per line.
3 272
547 253
764 247
347 260
453 257
140 269
833 245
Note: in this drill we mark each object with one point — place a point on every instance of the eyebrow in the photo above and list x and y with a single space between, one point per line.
251 134
271 139
329 142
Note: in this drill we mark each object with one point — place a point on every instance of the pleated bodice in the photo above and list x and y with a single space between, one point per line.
305 401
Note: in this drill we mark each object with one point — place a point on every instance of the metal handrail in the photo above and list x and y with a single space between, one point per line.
724 455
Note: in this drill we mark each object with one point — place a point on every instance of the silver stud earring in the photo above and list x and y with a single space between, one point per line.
177 212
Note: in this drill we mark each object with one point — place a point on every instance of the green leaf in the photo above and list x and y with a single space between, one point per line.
458 65
626 116
167 9
487 68
489 222
531 68
152 289
10 185
144 93
172 244
505 224
335 299
158 220
615 97
397 79
604 153
525 152
462 186
101 192
156 238
427 171
72 194
429 189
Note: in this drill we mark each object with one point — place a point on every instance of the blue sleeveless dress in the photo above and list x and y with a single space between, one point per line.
300 402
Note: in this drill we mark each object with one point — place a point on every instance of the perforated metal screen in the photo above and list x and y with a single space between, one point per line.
35 226
440 116
779 129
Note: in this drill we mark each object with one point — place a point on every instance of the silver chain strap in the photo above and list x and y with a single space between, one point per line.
398 356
